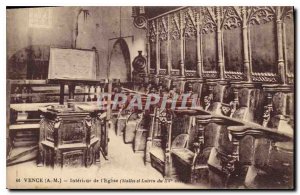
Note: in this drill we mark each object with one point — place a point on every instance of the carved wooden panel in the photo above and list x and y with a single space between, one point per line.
246 150
73 158
212 74
290 39
232 39
244 97
175 72
72 132
189 22
209 49
208 20
218 92
175 52
190 60
290 104
48 130
233 49
263 47
256 105
153 55
163 54
162 71
265 77
163 28
94 127
279 103
228 95
234 75
152 31
197 88
174 26
179 125
190 73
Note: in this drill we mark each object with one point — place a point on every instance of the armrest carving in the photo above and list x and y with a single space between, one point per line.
236 133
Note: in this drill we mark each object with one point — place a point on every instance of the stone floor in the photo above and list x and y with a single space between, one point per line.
123 169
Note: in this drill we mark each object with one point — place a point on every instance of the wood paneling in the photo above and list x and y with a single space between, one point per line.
152 55
233 49
290 47
163 54
209 45
190 53
175 52
263 47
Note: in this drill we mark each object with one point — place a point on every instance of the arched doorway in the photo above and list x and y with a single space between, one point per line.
119 66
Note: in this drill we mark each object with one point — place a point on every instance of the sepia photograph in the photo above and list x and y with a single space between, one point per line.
150 97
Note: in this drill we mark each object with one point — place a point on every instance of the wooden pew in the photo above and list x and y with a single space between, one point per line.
274 160
161 142
277 172
230 164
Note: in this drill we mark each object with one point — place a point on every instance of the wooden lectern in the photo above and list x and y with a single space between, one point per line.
72 134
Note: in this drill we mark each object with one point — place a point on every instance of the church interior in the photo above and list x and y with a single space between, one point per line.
236 61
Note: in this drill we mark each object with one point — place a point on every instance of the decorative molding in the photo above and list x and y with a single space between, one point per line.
265 77
163 28
232 18
175 72
140 19
191 21
190 29
208 23
213 74
287 13
234 75
152 71
258 15
175 26
163 71
190 73
152 31
140 22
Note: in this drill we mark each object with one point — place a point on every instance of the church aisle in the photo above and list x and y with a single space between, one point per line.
122 168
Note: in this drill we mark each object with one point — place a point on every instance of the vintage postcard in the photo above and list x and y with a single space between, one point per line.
150 97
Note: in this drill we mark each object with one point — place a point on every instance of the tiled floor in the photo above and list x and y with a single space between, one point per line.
123 169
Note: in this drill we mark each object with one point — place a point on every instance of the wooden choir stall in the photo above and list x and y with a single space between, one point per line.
241 133
231 67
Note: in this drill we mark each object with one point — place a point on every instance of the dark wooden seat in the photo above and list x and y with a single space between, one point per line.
184 155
